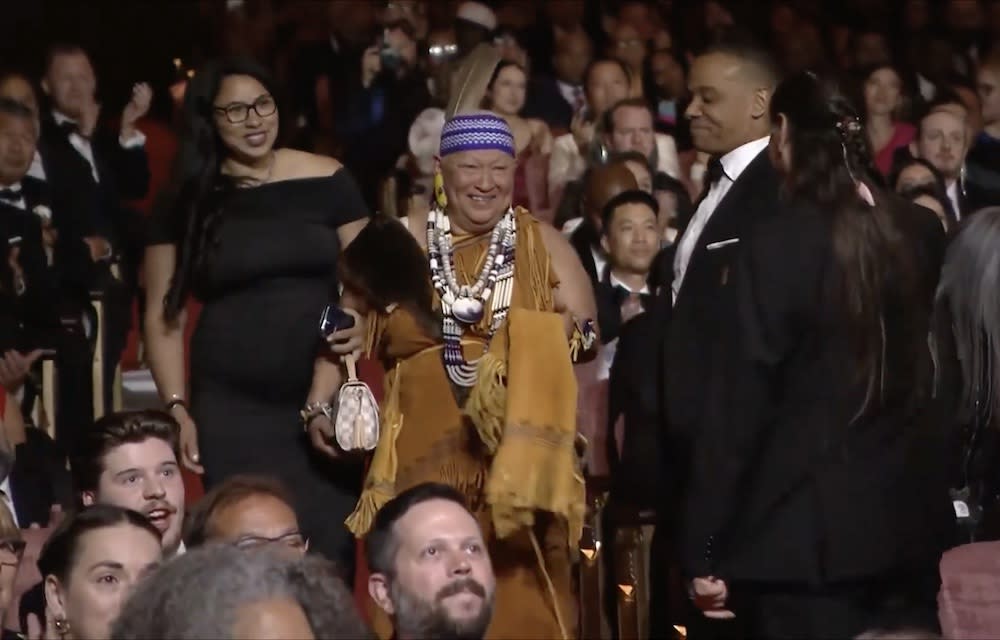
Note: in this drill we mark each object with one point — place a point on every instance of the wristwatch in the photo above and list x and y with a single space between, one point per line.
314 409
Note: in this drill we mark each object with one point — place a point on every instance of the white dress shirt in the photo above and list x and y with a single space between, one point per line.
37 169
952 192
84 148
17 204
733 164
8 499
572 94
608 351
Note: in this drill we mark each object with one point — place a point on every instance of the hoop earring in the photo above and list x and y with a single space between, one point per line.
440 198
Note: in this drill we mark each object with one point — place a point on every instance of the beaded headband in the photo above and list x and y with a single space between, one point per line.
476 132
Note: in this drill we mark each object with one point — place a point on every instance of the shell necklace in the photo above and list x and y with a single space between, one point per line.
464 305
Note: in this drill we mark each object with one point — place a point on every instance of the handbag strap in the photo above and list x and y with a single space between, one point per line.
352 367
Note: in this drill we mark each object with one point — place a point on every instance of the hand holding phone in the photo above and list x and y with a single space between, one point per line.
334 319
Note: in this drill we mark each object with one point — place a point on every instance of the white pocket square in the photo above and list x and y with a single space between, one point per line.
722 243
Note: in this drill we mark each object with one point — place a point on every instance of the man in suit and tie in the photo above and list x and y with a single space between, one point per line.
599 185
731 83
108 168
556 99
631 240
32 311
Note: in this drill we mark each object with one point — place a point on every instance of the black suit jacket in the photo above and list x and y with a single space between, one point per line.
791 484
583 239
645 476
546 102
700 309
36 308
39 480
123 172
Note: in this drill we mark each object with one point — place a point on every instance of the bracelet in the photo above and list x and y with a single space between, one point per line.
176 401
313 410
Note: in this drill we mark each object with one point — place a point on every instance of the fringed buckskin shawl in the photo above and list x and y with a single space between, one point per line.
522 407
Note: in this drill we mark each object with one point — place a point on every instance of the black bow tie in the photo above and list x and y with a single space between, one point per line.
715 172
69 128
621 294
11 195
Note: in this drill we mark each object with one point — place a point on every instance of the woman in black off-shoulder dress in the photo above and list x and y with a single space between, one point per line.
253 233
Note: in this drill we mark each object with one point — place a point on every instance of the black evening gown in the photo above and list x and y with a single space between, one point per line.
267 278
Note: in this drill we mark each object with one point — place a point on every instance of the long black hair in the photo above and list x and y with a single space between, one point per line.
831 165
967 303
198 189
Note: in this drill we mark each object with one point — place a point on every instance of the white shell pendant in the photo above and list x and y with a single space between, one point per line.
467 310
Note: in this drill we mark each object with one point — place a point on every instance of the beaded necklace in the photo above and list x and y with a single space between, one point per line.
464 305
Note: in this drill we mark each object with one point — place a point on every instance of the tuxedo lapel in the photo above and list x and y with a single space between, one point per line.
732 217
581 239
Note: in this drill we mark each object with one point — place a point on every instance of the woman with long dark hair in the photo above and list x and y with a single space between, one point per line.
968 339
812 514
253 232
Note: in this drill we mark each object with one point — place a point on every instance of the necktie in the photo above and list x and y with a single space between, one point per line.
10 195
621 294
713 174
579 101
69 127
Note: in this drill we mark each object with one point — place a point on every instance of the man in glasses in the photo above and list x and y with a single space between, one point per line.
247 511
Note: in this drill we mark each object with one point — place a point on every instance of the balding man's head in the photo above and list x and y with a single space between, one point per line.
573 52
602 184
731 85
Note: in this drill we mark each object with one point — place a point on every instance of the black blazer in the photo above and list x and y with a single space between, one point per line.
546 102
37 305
644 476
123 172
39 480
583 238
790 485
698 315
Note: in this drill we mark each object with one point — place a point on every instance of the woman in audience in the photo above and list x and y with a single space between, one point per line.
919 181
11 550
90 564
968 339
253 232
532 138
884 98
827 381
226 593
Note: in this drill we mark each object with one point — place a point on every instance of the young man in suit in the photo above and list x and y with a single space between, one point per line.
630 239
731 84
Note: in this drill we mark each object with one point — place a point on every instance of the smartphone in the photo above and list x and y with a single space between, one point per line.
334 319
389 56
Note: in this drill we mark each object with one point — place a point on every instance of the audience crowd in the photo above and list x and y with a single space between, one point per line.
768 230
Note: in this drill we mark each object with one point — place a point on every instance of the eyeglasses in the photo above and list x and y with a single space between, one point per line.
238 112
11 549
293 540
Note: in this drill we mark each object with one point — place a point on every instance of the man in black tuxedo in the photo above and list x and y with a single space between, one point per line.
599 185
556 100
101 169
731 85
34 481
630 239
34 317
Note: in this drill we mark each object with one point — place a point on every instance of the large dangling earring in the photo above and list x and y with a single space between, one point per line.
440 198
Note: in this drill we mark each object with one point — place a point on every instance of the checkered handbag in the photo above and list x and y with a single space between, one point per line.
357 424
